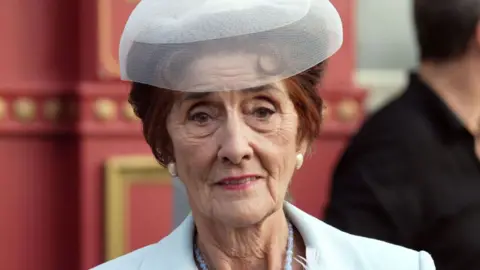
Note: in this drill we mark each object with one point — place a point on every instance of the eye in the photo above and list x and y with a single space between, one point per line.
263 113
200 118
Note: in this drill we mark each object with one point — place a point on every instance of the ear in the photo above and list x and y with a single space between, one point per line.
303 147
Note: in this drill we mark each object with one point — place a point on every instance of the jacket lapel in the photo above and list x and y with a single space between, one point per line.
324 244
175 251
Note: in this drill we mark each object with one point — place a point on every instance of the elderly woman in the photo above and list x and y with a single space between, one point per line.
226 91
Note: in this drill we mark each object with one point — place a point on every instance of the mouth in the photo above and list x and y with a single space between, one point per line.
238 183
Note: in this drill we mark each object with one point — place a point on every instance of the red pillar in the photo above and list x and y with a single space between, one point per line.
38 151
106 127
61 118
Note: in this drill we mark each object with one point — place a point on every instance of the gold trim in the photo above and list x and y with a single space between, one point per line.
3 108
348 110
105 109
110 67
128 112
121 173
24 109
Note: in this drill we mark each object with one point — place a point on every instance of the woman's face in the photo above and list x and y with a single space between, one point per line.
235 151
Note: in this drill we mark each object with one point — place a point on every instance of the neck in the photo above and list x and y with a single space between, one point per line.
458 83
261 246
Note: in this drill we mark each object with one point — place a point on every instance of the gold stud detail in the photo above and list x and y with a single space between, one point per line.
105 109
3 108
51 109
128 112
348 110
24 109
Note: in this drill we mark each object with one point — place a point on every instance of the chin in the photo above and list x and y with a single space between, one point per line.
243 214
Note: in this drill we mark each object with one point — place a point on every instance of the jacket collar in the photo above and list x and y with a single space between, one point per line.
176 250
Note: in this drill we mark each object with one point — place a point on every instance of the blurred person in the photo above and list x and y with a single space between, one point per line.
411 175
226 91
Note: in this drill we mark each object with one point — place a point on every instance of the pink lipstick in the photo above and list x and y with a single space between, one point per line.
238 182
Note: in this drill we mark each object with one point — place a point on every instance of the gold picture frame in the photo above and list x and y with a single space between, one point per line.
121 172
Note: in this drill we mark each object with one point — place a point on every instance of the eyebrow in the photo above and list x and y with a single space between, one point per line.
200 95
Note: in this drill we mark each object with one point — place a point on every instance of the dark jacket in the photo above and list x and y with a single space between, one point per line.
411 177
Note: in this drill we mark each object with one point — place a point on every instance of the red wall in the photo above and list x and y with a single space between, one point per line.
39 183
62 116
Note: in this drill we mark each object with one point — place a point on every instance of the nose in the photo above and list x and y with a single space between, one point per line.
234 143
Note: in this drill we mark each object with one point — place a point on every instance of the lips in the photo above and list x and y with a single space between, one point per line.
237 181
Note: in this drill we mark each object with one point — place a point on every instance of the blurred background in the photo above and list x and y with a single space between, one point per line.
386 48
78 183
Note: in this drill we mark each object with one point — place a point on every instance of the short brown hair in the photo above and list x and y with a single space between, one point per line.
153 105
445 28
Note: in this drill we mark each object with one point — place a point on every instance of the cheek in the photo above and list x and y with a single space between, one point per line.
192 155
277 149
287 131
285 134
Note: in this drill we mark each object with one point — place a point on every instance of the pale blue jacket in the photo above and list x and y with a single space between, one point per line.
327 249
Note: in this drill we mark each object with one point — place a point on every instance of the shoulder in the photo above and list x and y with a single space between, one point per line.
130 261
335 249
370 254
363 253
382 255
172 252
397 137
394 123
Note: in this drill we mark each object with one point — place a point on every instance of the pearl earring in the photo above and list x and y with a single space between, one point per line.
172 169
299 162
